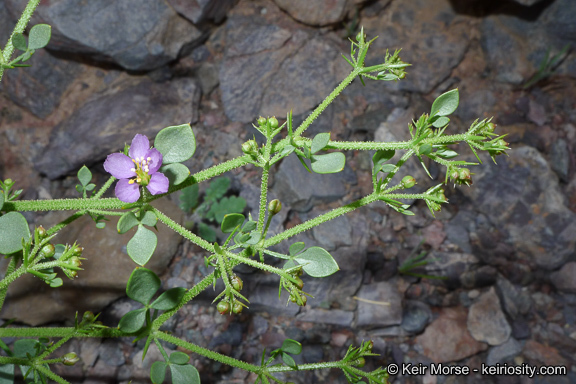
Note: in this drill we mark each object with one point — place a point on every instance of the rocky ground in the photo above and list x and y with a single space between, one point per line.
505 246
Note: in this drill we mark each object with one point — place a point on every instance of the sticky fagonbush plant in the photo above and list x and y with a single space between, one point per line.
142 174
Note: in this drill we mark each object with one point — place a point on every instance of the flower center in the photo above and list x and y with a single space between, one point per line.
141 170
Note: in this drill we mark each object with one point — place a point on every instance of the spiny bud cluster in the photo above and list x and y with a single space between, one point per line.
461 176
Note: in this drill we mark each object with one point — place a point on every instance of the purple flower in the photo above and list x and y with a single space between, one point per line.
141 168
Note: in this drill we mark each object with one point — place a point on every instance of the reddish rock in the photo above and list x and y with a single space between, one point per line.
541 353
447 338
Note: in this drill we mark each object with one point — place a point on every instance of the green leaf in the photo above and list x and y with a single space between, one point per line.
142 245
289 361
169 299
84 175
189 198
19 42
206 232
329 163
445 104
176 173
179 358
440 122
218 188
13 228
382 156
184 374
291 346
127 222
133 321
232 204
231 221
149 219
425 149
386 168
249 226
288 149
142 285
176 144
39 36
55 283
2 199
158 372
254 238
296 248
446 153
319 142
317 262
303 163
7 374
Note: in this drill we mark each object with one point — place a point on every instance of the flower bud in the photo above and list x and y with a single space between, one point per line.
47 251
360 362
88 317
77 251
408 181
75 261
304 300
299 283
237 307
262 121
41 232
8 183
250 147
274 207
223 307
360 36
70 358
273 122
490 127
237 283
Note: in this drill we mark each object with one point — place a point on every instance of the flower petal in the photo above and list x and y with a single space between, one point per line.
128 193
119 165
140 145
158 184
155 162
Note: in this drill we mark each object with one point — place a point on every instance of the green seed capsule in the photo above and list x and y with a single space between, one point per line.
262 121
223 307
237 307
408 181
70 359
273 122
237 283
47 251
274 207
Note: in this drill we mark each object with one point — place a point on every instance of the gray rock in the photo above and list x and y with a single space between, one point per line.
451 265
565 279
416 316
264 298
201 11
504 351
431 29
514 301
110 119
457 230
33 302
28 87
522 198
144 39
111 354
300 190
334 233
447 337
486 321
319 13
379 305
560 159
483 276
324 316
268 70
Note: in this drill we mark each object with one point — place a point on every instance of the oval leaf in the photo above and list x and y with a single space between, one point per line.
440 122
142 285
149 219
176 173
169 299
141 247
296 248
127 222
383 156
319 142
19 41
289 361
179 358
317 262
39 36
133 321
13 228
158 372
231 221
445 104
184 374
329 163
176 144
291 346
84 175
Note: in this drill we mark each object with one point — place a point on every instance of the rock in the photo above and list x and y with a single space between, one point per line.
323 316
564 280
486 321
514 301
504 351
447 338
483 276
268 69
560 159
111 118
379 305
434 234
522 198
435 35
202 11
112 31
416 316
334 233
264 298
107 265
457 230
451 265
320 13
300 190
541 353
